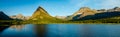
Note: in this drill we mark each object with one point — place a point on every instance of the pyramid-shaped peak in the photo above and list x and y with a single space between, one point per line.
40 13
40 7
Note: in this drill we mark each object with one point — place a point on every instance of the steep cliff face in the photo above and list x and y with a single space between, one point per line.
40 14
4 16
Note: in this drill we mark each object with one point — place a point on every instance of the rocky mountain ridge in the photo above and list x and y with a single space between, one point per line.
20 17
84 12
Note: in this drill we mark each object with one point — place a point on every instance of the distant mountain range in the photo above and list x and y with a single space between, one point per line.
20 17
60 17
86 13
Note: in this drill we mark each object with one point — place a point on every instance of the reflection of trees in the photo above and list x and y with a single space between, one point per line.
40 30
2 28
18 27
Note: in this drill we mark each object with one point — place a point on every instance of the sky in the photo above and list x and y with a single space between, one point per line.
53 7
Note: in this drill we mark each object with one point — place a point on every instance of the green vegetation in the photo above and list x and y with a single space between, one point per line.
103 20
56 21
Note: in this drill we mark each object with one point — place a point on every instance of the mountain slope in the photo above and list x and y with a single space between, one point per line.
41 16
101 16
82 12
3 16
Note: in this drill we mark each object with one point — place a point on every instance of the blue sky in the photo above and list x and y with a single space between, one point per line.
53 7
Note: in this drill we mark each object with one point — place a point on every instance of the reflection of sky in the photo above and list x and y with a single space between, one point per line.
63 30
27 31
85 30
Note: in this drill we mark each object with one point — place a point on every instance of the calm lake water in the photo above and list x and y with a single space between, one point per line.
61 30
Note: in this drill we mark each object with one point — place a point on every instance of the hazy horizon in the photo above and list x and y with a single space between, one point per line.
53 7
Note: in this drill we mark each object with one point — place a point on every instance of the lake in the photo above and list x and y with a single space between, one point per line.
61 30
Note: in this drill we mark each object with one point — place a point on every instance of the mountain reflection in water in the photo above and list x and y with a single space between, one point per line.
17 27
2 28
60 30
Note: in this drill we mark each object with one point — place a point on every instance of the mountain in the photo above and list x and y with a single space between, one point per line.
43 17
115 9
82 12
60 17
3 16
99 14
40 14
20 17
